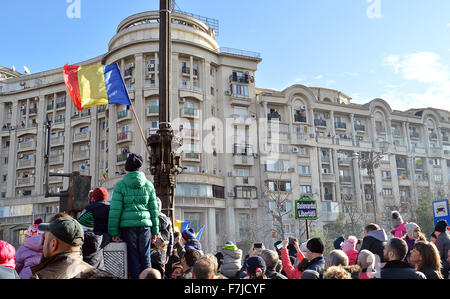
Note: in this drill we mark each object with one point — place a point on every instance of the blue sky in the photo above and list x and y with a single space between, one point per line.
398 50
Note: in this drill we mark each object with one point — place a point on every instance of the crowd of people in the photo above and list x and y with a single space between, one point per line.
69 248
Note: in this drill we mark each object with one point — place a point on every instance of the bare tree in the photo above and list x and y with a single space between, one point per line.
276 193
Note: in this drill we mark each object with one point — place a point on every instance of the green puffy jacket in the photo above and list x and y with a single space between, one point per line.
133 204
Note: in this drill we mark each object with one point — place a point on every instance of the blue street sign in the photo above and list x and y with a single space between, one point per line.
306 208
440 211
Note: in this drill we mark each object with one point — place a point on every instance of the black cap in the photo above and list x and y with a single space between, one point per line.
315 245
134 162
66 229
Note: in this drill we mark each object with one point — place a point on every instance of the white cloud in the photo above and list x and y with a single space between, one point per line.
298 80
318 77
350 74
425 68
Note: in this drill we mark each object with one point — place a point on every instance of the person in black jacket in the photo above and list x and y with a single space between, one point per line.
396 268
94 220
162 249
374 240
314 255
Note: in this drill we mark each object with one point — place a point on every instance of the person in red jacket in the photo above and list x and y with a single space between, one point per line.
291 271
349 247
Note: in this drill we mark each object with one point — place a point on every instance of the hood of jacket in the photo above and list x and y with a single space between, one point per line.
135 180
378 234
34 243
234 254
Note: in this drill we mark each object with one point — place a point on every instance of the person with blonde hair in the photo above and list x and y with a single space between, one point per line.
336 272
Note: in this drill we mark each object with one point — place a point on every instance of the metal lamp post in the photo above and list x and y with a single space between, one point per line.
165 164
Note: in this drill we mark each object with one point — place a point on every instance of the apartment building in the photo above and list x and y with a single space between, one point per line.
240 143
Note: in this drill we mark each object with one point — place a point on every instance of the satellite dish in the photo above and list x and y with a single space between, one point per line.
27 71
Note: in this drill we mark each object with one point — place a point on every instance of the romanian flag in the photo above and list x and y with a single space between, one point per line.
199 234
180 226
95 85
401 175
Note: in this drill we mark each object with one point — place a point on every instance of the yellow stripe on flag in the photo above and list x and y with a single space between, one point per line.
92 86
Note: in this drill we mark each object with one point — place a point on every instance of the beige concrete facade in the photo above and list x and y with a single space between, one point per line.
238 140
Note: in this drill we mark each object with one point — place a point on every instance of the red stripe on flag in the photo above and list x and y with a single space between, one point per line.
72 84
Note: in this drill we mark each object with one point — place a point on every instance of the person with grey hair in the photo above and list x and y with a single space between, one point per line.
150 273
336 257
271 259
366 260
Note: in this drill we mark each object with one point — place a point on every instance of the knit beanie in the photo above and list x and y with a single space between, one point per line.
349 244
315 245
255 264
338 242
7 255
134 162
410 228
441 226
188 233
37 220
396 219
99 194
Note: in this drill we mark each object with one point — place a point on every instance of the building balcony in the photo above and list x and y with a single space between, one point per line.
32 111
55 179
61 105
81 136
80 155
328 197
190 133
26 163
27 146
414 135
245 203
345 179
122 158
244 181
299 119
328 177
56 159
123 115
24 182
436 151
124 137
190 112
243 160
195 157
433 136
320 123
360 128
153 111
57 141
340 126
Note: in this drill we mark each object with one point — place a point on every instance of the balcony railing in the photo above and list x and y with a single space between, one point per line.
360 128
340 125
153 110
320 122
122 157
124 136
122 114
414 135
192 156
328 197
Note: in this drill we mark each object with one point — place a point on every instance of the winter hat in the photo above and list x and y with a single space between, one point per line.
315 245
349 244
99 194
303 247
441 226
338 242
188 233
255 264
7 255
230 246
396 219
134 162
410 228
37 220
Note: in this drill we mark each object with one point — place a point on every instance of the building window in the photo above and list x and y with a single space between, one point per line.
279 186
387 192
305 189
194 218
244 225
304 169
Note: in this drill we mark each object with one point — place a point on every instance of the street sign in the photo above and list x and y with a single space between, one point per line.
306 208
440 211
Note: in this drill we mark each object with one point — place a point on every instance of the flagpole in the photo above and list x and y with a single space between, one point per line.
140 129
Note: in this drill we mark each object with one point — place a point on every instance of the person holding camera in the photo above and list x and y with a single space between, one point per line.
291 271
